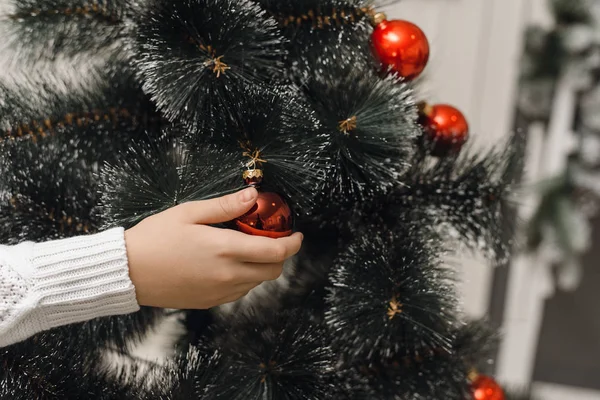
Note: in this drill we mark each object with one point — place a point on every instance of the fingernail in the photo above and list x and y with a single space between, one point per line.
301 236
247 195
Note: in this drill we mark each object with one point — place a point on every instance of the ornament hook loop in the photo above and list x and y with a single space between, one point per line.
253 175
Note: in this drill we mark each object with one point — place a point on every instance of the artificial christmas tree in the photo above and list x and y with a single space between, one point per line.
204 97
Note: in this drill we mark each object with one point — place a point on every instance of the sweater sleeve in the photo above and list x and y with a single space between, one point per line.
46 285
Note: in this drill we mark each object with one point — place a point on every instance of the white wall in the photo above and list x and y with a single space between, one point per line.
476 46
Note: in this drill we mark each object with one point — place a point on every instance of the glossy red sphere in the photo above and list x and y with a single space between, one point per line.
486 388
270 217
401 46
446 127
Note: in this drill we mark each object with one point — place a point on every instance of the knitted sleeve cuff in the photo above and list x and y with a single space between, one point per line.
75 280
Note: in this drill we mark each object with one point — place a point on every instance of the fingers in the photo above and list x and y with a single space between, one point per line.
221 209
261 250
233 298
252 273
242 292
248 275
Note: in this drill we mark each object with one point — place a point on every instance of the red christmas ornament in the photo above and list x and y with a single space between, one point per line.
486 388
270 217
401 46
446 128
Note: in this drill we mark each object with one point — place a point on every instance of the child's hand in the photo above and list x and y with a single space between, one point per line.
176 261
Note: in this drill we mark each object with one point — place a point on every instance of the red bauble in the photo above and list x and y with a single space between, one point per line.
486 388
270 217
446 128
401 46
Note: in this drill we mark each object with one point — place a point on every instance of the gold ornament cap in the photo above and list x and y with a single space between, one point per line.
425 108
253 177
378 18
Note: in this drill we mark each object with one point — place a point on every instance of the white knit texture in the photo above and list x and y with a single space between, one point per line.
46 285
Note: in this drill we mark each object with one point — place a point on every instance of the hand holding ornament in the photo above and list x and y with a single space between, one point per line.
176 260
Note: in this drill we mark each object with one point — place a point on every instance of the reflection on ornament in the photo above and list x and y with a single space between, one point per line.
486 388
270 217
401 46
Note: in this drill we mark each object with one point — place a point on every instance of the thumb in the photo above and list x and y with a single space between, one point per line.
221 209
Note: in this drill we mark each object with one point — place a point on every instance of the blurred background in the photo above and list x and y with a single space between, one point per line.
532 65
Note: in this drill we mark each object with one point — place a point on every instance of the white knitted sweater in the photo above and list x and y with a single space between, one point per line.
46 285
